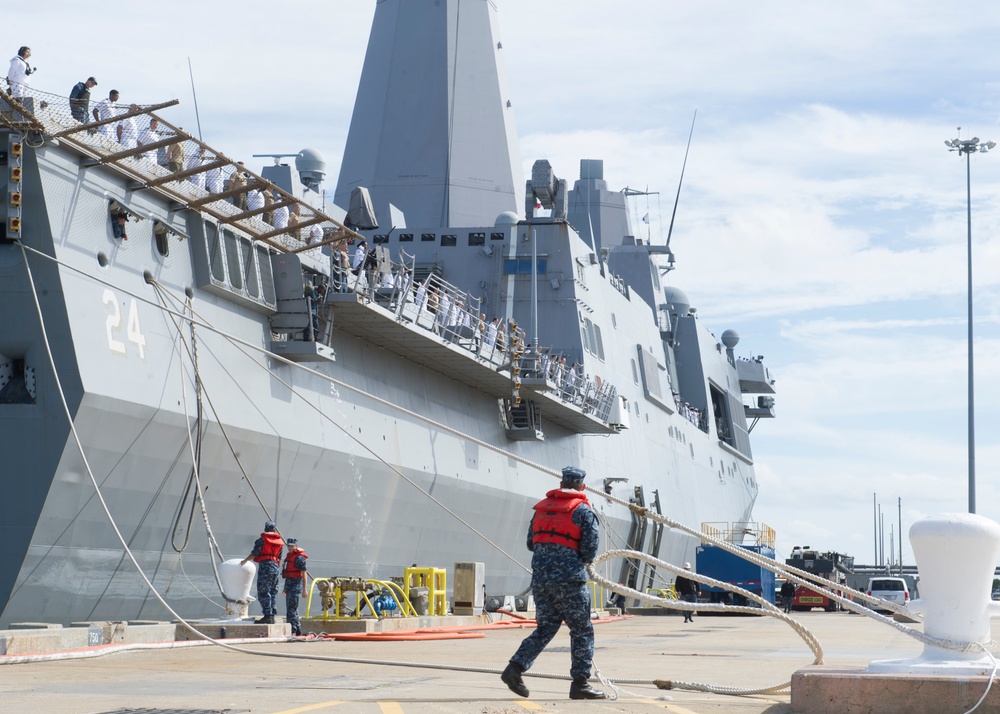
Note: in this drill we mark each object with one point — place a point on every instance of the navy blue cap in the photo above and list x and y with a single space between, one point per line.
270 526
292 541
572 474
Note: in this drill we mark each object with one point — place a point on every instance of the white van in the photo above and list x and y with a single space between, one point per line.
892 589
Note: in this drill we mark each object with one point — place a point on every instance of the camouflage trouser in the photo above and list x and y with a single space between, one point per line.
554 603
293 589
690 597
267 586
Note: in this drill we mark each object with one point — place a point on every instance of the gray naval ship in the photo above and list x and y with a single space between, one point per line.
183 333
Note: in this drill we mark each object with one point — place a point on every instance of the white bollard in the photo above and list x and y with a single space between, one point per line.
956 554
237 578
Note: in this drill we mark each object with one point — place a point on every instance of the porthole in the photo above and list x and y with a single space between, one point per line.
102 259
160 237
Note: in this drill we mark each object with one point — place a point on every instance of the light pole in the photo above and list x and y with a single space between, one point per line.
968 147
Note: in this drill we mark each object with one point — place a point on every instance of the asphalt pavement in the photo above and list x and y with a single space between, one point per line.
730 651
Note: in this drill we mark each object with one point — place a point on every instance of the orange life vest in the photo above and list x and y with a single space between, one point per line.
290 572
273 543
554 518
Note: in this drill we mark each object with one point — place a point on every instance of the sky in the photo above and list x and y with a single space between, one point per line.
821 215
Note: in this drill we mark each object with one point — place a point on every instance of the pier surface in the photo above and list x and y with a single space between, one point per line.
730 651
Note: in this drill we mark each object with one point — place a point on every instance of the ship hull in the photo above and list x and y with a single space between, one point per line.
137 373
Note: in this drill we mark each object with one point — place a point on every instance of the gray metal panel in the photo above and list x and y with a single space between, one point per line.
37 429
432 132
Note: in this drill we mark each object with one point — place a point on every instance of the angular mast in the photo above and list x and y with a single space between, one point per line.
433 129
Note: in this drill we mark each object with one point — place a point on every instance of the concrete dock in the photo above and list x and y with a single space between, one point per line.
205 679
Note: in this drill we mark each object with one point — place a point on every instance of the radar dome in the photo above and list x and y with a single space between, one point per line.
730 338
507 218
311 167
677 301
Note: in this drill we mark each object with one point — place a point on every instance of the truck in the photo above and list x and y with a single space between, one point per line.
829 565
720 564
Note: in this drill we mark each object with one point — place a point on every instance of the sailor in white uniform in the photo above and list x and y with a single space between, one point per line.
106 109
150 135
19 74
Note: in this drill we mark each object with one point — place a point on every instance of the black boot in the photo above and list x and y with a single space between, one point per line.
261 620
266 620
512 678
581 689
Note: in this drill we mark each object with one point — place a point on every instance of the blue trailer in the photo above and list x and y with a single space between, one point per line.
722 565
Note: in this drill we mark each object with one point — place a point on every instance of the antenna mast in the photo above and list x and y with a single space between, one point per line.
679 183
193 94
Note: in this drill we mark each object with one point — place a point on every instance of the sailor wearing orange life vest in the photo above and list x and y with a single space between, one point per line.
563 538
295 576
267 554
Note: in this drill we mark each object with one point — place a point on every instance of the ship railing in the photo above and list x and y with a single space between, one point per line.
693 414
457 317
176 165
754 533
593 396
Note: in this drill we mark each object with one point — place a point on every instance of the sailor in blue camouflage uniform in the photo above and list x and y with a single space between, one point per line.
563 538
267 554
294 573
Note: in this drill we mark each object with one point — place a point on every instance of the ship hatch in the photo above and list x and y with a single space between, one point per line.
17 382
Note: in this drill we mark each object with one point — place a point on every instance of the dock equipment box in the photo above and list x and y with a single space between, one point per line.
722 565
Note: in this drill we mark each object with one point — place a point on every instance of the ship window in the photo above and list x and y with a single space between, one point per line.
160 234
497 236
233 259
477 239
119 218
428 237
250 268
614 320
449 241
592 339
581 273
405 237
266 276
635 373
522 266
380 238
215 251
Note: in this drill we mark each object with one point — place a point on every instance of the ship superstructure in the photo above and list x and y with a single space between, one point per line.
221 366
